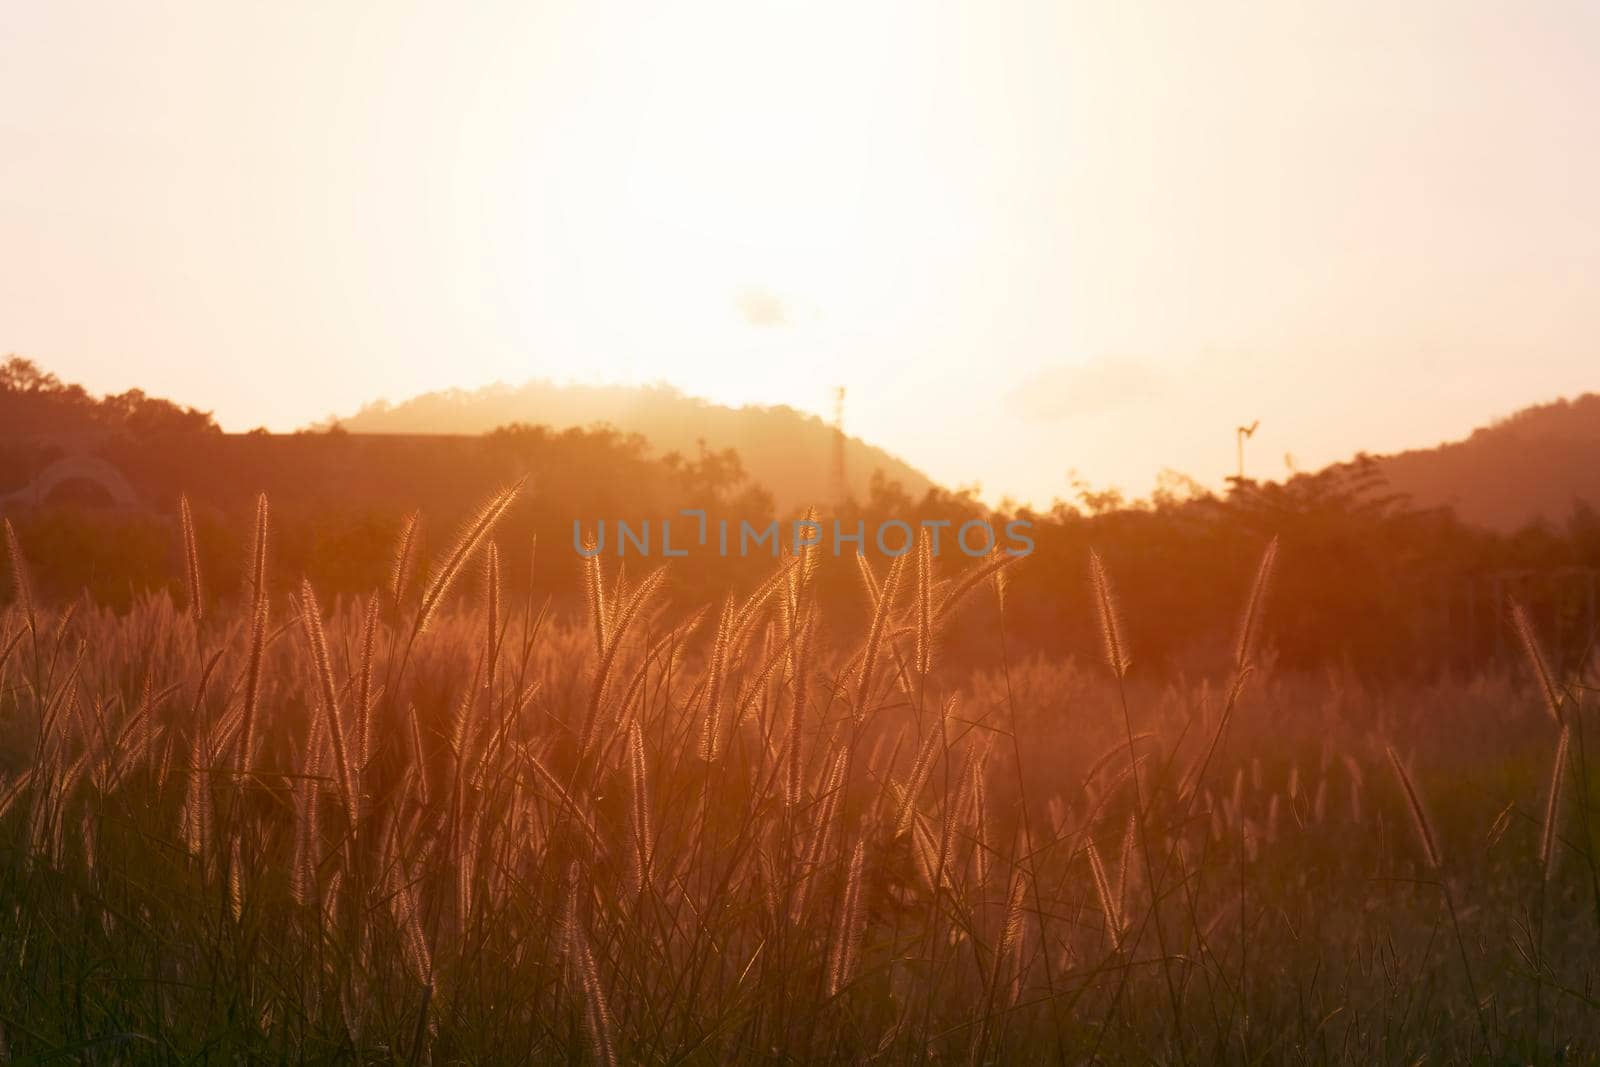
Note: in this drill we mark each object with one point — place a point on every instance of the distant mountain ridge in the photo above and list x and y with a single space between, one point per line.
1533 464
788 452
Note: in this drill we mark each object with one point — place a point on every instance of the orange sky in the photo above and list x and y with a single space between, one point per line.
1028 237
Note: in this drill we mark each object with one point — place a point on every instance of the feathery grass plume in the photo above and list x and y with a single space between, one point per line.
235 878
467 847
597 1021
1108 902
361 736
258 637
1123 863
472 535
821 831
619 591
1535 656
773 655
19 580
1357 781
10 793
1008 952
9 645
419 754
1250 622
306 796
191 828
1419 814
925 849
311 619
408 917
191 561
780 579
797 711
810 555
1548 833
618 631
846 947
330 900
400 570
978 812
1105 600
924 606
491 612
63 626
921 767
594 584
552 783
639 809
199 796
869 581
711 729
976 576
86 839
875 634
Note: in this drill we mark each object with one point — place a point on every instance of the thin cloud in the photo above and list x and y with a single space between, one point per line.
1101 385
762 308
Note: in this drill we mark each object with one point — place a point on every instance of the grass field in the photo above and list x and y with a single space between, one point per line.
441 824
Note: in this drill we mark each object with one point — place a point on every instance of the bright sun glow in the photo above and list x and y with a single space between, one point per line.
1079 236
740 203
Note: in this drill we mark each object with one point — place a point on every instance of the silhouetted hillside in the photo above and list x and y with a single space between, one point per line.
786 451
1533 464
35 403
1366 577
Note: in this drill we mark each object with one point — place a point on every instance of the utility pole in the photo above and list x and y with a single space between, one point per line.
841 484
1244 432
